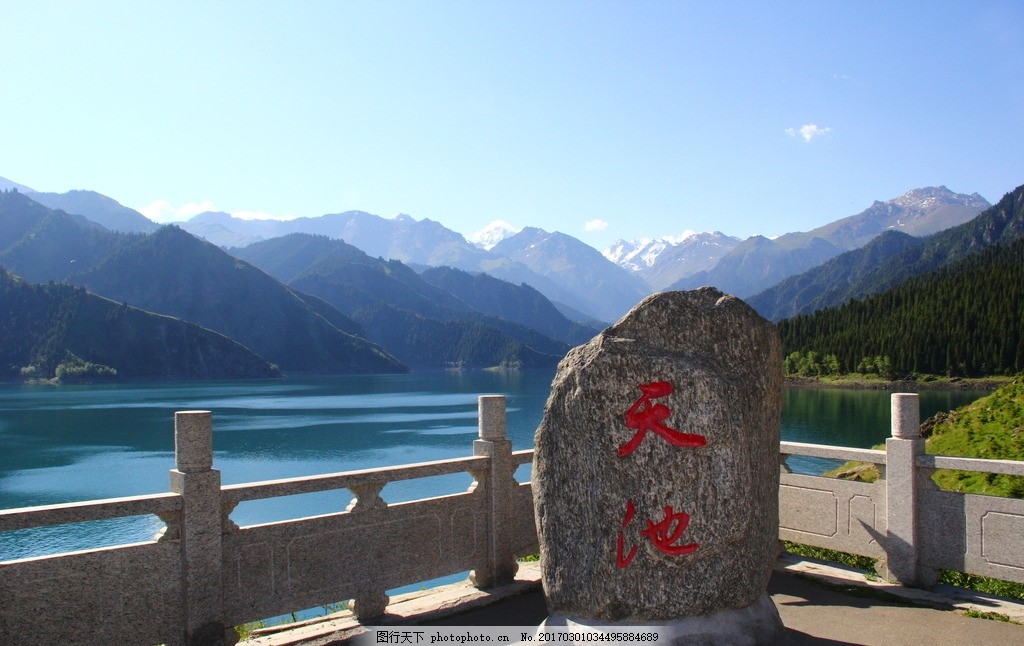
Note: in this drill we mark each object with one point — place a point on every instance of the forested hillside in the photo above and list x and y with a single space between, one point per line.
64 332
965 319
174 273
520 304
891 259
468 321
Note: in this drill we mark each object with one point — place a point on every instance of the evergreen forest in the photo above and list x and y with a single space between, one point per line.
962 320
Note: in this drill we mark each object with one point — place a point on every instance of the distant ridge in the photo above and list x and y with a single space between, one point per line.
581 269
891 259
422 322
172 272
426 243
98 208
759 263
7 185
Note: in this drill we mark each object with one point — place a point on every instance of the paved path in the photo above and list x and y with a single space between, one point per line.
819 604
812 614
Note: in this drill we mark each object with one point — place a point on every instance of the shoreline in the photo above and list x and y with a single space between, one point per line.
902 385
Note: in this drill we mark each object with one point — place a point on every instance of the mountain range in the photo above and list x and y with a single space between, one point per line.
356 292
890 259
588 285
663 261
170 272
444 317
759 263
425 243
458 320
954 307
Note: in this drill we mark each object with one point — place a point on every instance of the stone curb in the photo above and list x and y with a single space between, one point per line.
407 609
445 601
940 597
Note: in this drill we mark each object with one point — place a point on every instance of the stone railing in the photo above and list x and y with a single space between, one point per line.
904 519
204 574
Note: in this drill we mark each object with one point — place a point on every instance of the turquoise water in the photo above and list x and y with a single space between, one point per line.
70 443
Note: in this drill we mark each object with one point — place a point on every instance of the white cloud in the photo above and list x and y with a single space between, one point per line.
679 238
595 225
260 215
808 131
163 211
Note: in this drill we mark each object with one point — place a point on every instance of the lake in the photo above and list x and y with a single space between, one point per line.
70 443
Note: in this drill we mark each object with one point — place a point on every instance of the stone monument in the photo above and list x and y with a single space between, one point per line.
656 473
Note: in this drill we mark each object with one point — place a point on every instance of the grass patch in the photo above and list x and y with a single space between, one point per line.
850 560
991 427
244 631
993 616
985 584
862 592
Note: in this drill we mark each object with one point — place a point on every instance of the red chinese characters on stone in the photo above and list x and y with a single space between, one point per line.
620 559
644 416
663 535
666 532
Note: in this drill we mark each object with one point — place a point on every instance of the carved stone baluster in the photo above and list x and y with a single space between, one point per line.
784 464
172 531
369 602
367 498
227 524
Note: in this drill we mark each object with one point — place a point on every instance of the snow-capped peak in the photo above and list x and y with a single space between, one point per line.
635 254
492 234
641 254
932 197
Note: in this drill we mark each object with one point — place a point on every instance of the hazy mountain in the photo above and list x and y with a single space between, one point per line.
829 283
7 185
891 259
664 261
520 304
758 263
63 331
414 242
40 244
420 323
609 290
428 342
98 208
225 230
403 238
299 254
172 272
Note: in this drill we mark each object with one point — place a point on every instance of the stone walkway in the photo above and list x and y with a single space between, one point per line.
819 603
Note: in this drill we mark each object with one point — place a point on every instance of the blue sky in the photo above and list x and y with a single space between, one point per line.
603 120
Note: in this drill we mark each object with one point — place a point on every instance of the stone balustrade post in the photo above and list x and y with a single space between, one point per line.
369 602
200 530
902 489
500 566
